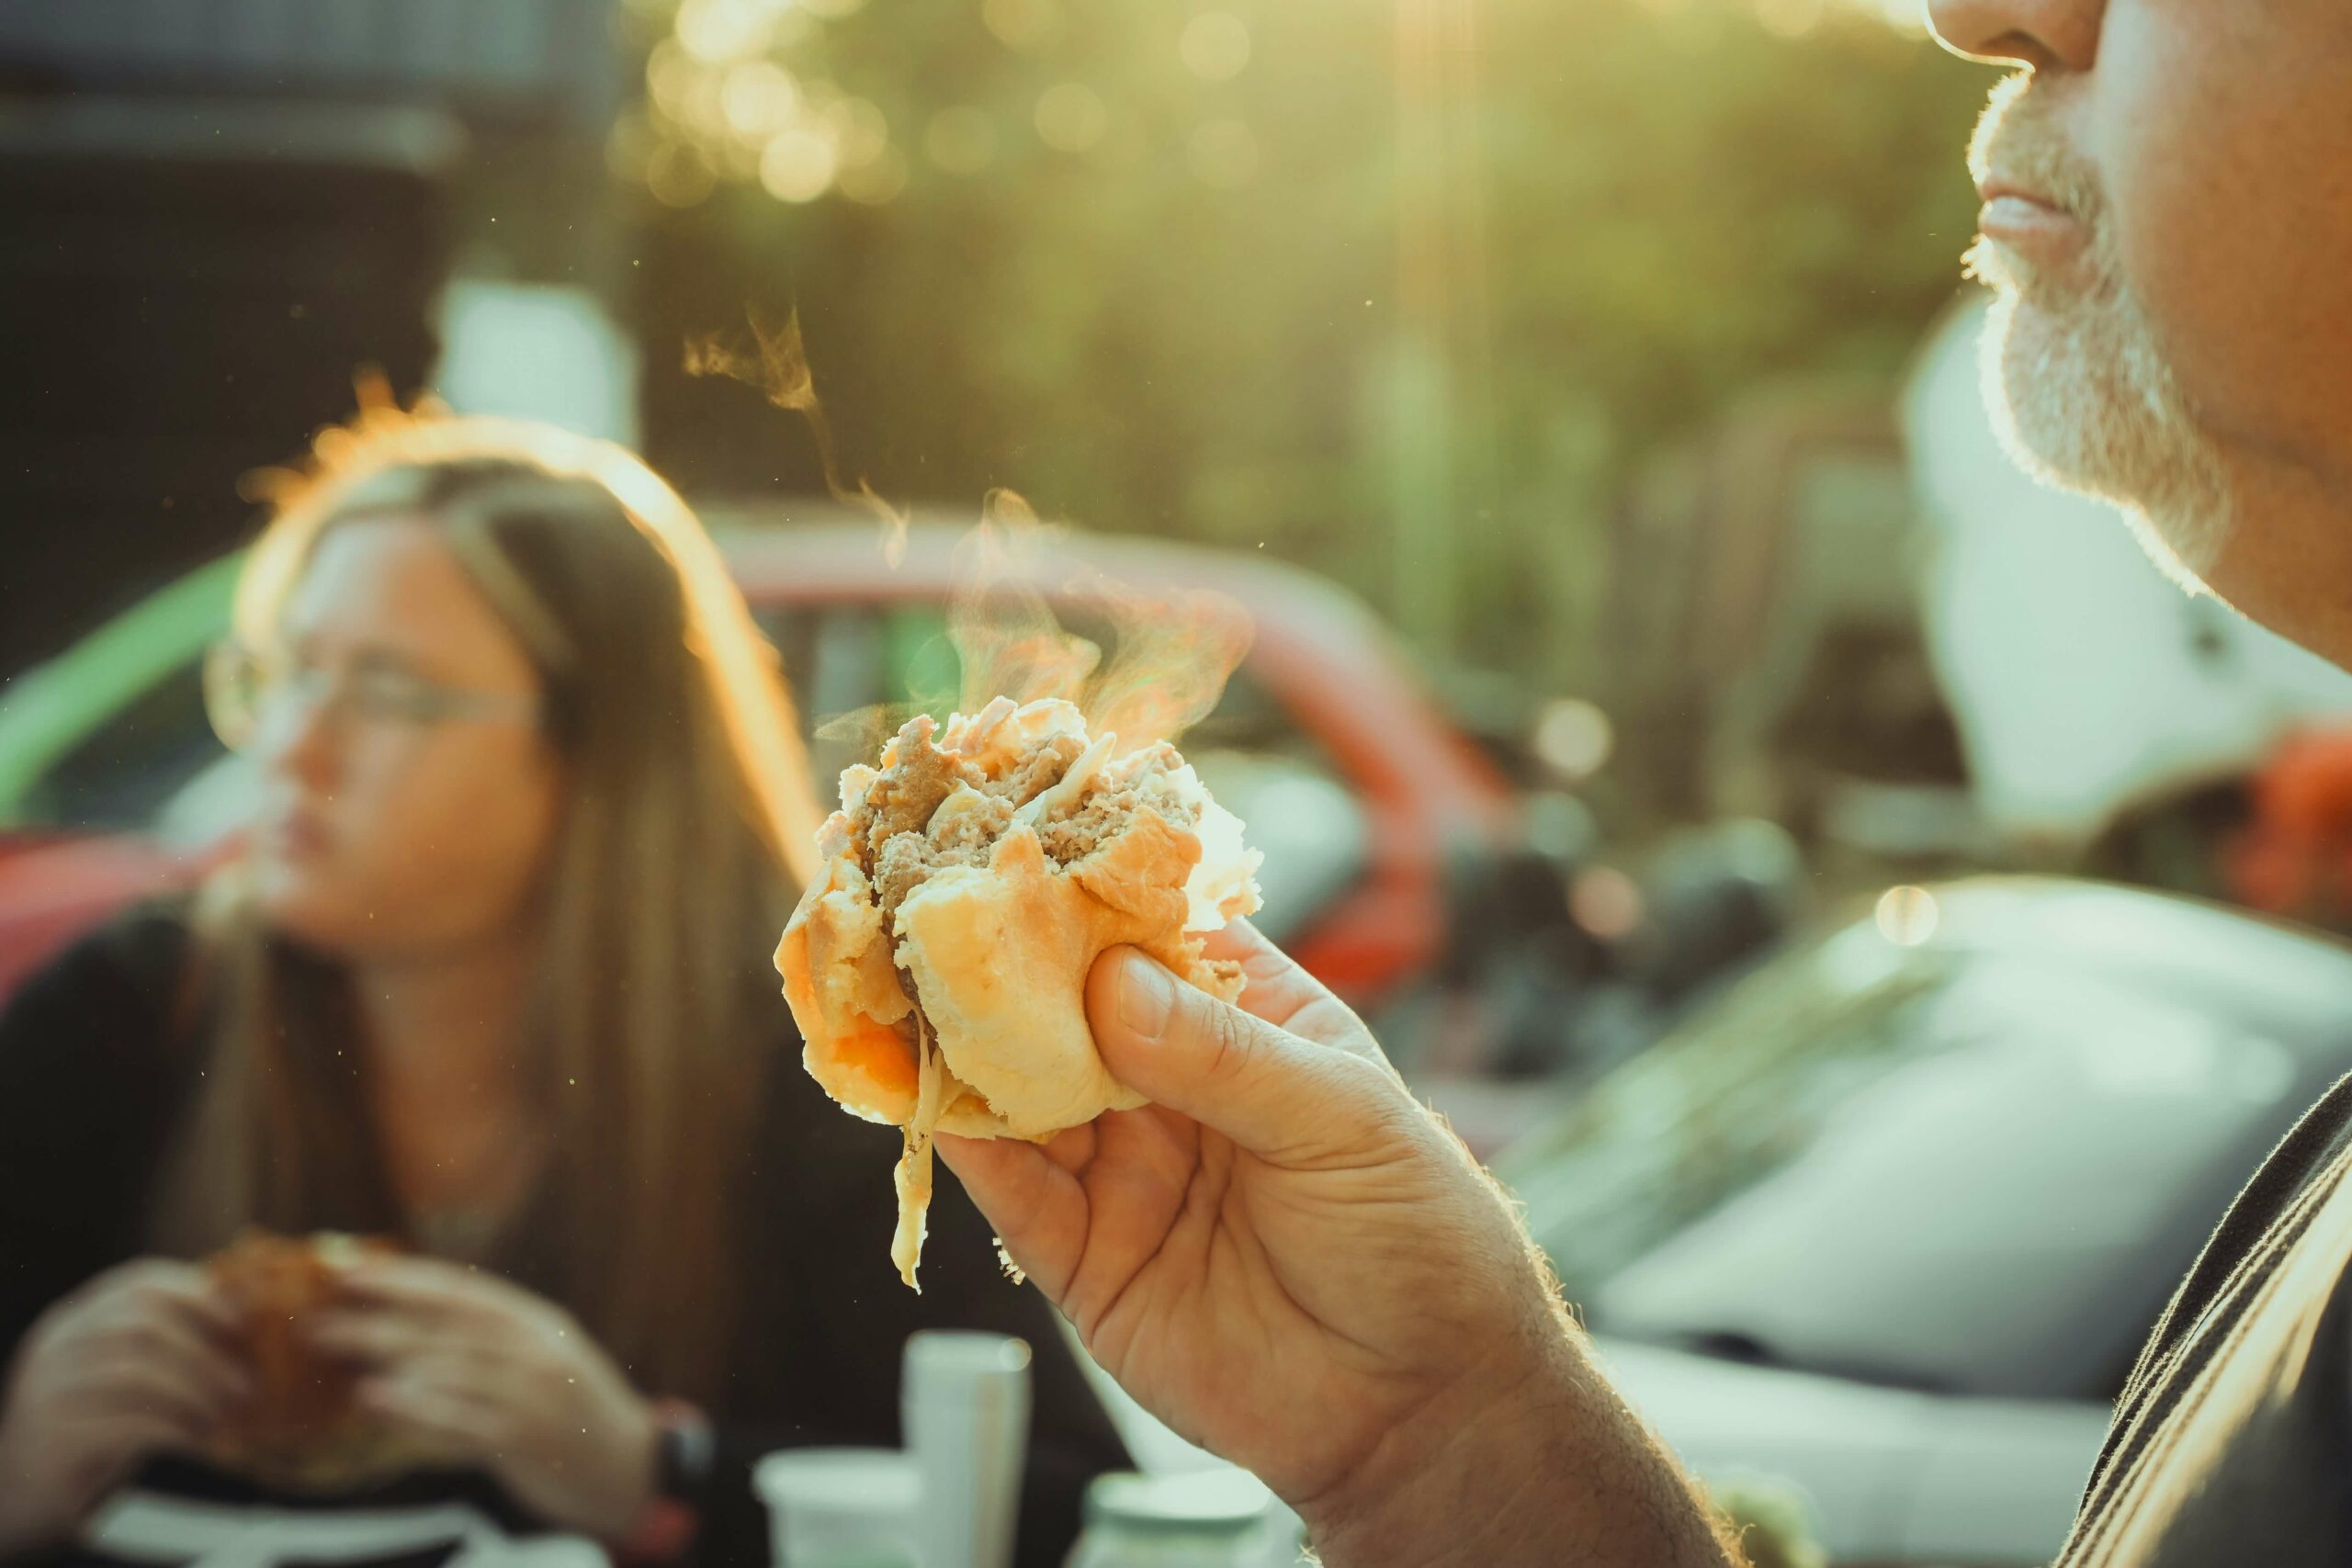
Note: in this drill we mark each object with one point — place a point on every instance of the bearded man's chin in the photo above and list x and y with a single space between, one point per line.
2084 401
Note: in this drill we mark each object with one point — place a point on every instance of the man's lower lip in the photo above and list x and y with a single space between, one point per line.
2039 232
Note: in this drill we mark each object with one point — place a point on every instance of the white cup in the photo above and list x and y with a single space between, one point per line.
839 1507
964 1401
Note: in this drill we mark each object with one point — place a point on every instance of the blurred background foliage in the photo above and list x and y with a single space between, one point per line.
1409 294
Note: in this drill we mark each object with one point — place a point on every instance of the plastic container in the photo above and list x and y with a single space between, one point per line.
965 1404
1212 1519
839 1507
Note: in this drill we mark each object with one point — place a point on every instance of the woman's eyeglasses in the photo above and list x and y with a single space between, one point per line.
246 690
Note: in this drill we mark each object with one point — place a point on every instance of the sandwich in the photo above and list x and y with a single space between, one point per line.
303 1430
937 966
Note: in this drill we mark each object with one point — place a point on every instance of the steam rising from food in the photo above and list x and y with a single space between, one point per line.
776 363
1171 652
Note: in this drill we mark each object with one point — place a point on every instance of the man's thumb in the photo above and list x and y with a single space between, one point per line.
1179 1046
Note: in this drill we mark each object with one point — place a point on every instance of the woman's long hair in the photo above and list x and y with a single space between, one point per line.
685 832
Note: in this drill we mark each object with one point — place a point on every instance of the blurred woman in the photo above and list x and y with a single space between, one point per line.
488 976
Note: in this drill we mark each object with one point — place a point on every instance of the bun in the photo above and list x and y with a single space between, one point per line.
937 966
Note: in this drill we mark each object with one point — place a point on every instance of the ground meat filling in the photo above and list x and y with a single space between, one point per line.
1037 771
903 797
1105 813
904 838
958 838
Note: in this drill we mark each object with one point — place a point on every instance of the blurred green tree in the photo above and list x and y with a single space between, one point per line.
1403 292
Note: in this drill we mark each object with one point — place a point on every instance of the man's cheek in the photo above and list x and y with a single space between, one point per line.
2173 228
2206 145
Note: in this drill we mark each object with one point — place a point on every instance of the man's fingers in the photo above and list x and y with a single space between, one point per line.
1038 1208
1072 1148
1239 941
1263 1087
1278 987
1283 993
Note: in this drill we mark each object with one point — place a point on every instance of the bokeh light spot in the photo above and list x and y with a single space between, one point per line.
1908 916
861 130
797 166
670 75
758 99
1572 737
1606 902
715 31
1071 118
1214 46
1028 25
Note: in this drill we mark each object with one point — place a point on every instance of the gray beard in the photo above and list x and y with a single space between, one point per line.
2074 371
2084 399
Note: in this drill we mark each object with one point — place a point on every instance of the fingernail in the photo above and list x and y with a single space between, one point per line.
1147 996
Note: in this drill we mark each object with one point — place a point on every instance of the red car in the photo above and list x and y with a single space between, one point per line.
1362 795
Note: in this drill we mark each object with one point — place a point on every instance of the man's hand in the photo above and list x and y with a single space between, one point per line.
1295 1266
137 1362
482 1370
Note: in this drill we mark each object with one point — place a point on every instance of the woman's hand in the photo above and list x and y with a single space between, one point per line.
138 1360
1295 1264
482 1370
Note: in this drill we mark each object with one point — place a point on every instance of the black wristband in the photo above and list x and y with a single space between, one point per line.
686 1452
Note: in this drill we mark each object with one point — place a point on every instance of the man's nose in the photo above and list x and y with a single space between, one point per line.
2058 34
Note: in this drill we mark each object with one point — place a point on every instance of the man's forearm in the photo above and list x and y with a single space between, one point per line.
1543 1468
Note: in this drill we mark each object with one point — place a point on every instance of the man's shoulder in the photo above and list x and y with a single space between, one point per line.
2305 1155
2249 1232
2232 1427
2307 1151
